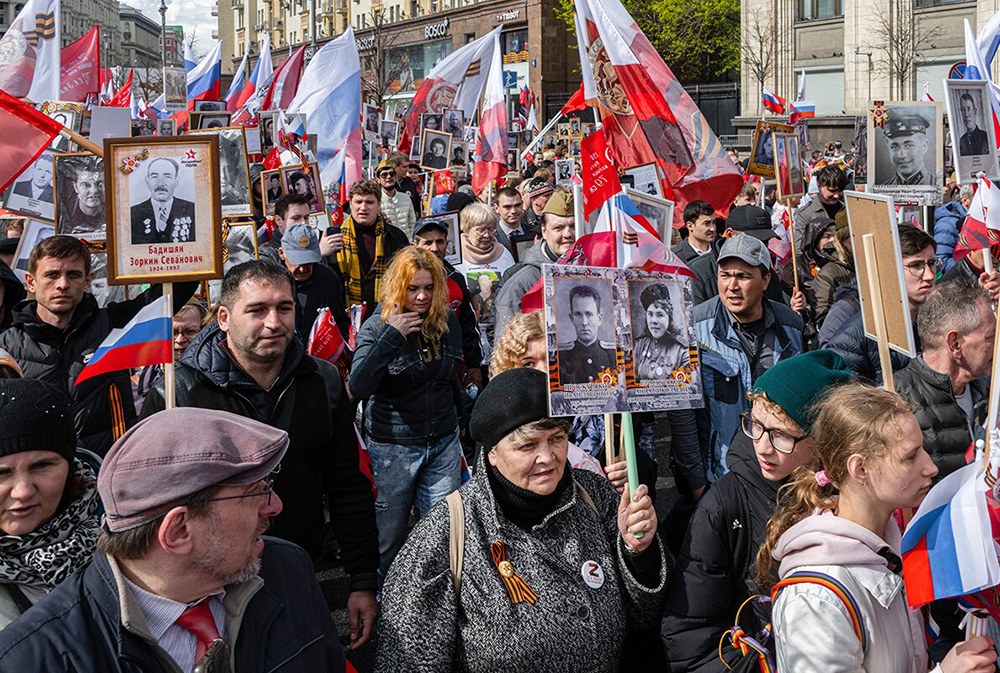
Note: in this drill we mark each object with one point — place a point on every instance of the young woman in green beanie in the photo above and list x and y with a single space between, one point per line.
716 569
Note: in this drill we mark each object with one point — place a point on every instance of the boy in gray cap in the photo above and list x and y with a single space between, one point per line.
316 285
182 574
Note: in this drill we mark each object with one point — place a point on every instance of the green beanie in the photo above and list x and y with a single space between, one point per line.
797 383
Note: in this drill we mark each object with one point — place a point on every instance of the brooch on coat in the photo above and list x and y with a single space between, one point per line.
517 588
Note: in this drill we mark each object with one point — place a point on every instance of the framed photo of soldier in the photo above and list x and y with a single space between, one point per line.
295 180
32 192
659 212
271 189
68 118
906 151
34 232
459 155
471 133
647 179
565 170
514 142
973 139
787 162
793 147
143 127
453 122
435 150
431 121
174 89
762 153
208 120
209 106
234 171
165 127
104 292
266 127
164 210
79 195
390 133
372 121
415 146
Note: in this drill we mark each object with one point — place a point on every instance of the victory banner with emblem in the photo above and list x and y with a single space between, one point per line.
30 53
163 209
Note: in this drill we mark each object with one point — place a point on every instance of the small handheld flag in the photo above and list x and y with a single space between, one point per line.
145 340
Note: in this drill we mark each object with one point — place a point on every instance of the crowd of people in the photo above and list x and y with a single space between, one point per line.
478 532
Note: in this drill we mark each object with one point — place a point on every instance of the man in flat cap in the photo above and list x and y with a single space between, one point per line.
906 135
183 574
558 236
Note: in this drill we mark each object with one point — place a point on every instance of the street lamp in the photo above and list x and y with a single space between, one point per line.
163 31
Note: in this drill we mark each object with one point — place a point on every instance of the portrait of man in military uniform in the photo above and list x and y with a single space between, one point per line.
163 217
908 137
80 196
974 140
582 360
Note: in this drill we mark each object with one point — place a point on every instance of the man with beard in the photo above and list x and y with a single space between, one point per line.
182 575
251 364
84 212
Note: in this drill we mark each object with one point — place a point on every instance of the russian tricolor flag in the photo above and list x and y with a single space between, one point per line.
801 109
775 104
236 87
145 340
257 83
205 80
948 548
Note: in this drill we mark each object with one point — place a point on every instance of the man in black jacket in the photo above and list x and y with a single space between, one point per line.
54 335
699 223
251 364
317 286
11 294
947 384
181 562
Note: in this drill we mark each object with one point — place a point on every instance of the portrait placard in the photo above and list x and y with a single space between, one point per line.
793 148
415 147
174 89
165 127
762 155
163 208
390 133
565 170
271 189
647 179
208 120
209 106
79 196
34 232
294 180
459 155
860 150
453 122
436 150
32 192
104 292
431 121
874 214
372 121
619 340
453 251
788 166
658 211
973 140
234 171
66 114
268 132
906 151
239 244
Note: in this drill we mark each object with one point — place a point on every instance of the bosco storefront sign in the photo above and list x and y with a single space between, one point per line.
436 30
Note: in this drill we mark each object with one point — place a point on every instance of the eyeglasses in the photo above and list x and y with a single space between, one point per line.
780 440
268 490
916 269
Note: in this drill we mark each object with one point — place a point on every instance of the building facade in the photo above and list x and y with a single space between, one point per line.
140 44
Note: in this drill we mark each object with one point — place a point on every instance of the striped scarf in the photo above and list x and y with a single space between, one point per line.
350 261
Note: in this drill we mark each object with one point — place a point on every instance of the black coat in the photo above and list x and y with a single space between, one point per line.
861 353
716 568
942 421
180 223
307 400
13 294
78 627
59 355
706 277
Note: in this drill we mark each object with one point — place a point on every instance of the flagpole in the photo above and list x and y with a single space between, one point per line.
541 134
82 142
791 238
169 389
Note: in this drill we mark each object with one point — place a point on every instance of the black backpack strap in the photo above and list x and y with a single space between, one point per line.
20 600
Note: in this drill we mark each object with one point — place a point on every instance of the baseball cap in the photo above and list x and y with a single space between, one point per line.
429 223
748 249
751 219
167 458
301 245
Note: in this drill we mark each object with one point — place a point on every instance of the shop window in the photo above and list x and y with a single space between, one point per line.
935 3
407 66
809 10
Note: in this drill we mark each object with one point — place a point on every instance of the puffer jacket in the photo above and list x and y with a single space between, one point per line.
813 629
948 220
516 283
716 569
13 294
408 404
861 353
102 406
942 421
429 625
725 373
831 278
276 621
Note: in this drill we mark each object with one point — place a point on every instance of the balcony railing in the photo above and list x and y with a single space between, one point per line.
215 9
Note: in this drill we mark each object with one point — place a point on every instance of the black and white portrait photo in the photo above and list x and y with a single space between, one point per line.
431 121
32 191
234 172
143 127
266 128
658 212
209 120
79 191
85 124
373 118
972 135
390 133
574 126
273 189
174 89
906 152
647 179
470 134
34 232
164 215
99 287
585 327
514 141
164 127
564 172
209 106
436 150
297 181
454 122
659 329
68 119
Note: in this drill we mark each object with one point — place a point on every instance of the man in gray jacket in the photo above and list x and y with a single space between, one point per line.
558 236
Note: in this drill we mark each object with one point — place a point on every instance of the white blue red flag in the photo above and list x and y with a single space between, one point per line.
252 96
773 102
976 68
237 86
800 109
145 340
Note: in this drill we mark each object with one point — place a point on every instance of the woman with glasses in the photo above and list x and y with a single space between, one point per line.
716 568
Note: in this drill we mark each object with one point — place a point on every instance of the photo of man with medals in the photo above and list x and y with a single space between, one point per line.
163 218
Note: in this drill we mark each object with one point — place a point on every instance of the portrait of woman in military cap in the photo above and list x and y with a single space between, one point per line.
662 348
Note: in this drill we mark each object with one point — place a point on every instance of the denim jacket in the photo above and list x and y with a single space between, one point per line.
406 405
725 373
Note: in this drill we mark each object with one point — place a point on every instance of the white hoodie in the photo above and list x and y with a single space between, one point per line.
813 629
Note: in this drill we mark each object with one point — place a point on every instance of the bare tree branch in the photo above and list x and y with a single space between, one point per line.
379 61
759 43
898 36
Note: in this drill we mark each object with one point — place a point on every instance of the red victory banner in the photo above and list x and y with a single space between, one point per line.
80 73
600 180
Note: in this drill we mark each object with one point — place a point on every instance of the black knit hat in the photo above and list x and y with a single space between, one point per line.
35 416
514 398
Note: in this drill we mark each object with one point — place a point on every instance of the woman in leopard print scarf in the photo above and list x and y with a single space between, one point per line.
49 507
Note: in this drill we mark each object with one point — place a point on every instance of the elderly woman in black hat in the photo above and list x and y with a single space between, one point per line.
49 508
663 349
532 565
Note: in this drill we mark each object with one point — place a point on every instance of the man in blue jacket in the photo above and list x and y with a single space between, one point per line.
183 575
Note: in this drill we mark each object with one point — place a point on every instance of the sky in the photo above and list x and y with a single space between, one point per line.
194 15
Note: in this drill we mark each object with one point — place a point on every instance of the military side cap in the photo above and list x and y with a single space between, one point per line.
905 123
384 165
560 204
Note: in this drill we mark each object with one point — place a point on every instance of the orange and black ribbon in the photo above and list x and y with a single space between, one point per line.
518 590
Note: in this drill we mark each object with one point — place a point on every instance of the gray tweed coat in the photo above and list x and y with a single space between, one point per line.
425 626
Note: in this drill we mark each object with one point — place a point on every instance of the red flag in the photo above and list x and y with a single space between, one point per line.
284 82
34 132
575 103
325 340
444 183
491 144
81 67
600 180
123 96
273 159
